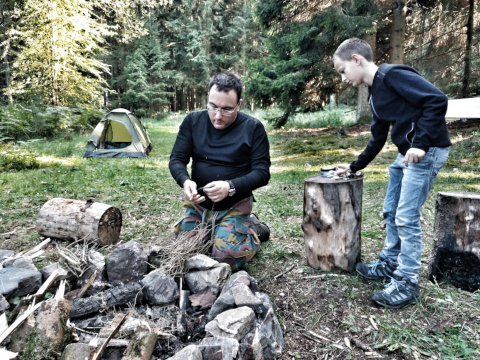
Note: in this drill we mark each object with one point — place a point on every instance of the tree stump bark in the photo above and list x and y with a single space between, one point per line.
68 219
456 242
332 215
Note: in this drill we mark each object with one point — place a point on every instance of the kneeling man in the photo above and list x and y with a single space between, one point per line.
230 159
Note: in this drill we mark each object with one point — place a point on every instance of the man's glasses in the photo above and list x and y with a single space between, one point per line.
222 111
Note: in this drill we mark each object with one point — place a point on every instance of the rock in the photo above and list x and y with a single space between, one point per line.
49 331
159 289
96 262
113 352
4 305
22 262
127 264
191 352
78 351
234 323
214 278
5 254
141 346
201 262
226 299
244 278
204 298
224 302
19 282
63 273
119 295
243 296
268 330
219 348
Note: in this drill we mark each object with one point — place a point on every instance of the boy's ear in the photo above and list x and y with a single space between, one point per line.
357 58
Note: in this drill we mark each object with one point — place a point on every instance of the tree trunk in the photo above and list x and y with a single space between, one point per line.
397 34
7 80
332 216
468 50
332 101
68 219
363 108
456 240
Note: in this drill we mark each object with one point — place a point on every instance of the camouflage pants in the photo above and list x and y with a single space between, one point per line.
235 242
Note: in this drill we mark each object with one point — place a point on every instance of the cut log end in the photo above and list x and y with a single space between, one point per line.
110 226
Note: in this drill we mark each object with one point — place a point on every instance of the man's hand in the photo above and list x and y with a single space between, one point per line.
413 155
217 190
342 169
190 192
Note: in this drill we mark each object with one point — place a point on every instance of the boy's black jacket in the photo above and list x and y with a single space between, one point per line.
401 97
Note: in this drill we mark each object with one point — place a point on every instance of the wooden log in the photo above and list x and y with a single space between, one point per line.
115 296
456 241
332 216
71 220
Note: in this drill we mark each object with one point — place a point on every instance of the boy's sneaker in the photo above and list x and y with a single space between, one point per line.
398 293
260 228
376 270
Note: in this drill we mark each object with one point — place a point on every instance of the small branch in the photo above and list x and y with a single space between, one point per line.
17 323
320 336
38 247
85 331
87 285
46 285
372 321
361 345
98 354
285 272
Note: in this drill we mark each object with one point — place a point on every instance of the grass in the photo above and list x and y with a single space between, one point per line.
150 203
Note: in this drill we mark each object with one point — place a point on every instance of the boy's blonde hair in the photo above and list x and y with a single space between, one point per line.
353 46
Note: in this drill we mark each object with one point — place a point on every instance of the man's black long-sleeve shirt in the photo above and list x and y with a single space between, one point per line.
239 153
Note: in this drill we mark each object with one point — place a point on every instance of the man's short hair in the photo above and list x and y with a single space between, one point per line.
227 81
353 46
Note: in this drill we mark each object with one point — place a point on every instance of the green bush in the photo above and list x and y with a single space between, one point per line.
12 159
19 122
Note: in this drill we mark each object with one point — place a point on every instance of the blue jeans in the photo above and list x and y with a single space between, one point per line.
407 191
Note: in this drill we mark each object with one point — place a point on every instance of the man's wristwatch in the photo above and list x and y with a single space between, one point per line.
232 190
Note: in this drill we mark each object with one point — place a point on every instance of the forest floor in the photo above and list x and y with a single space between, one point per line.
334 305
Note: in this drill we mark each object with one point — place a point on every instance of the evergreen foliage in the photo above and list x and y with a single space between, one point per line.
298 74
57 42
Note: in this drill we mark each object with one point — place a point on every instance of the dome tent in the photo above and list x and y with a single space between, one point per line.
119 134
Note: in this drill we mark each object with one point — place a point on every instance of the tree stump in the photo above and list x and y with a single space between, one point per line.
68 219
332 216
456 242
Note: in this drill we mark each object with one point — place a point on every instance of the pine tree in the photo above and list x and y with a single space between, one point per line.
58 41
297 74
136 98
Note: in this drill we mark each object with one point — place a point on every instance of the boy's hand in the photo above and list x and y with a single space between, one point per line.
342 169
190 192
413 155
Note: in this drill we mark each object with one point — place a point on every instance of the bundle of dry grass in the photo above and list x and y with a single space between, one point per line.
172 254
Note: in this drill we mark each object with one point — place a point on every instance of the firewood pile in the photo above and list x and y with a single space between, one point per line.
133 303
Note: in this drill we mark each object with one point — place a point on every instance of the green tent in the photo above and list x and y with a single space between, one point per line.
119 134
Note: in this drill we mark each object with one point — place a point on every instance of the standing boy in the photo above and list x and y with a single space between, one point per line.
402 99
